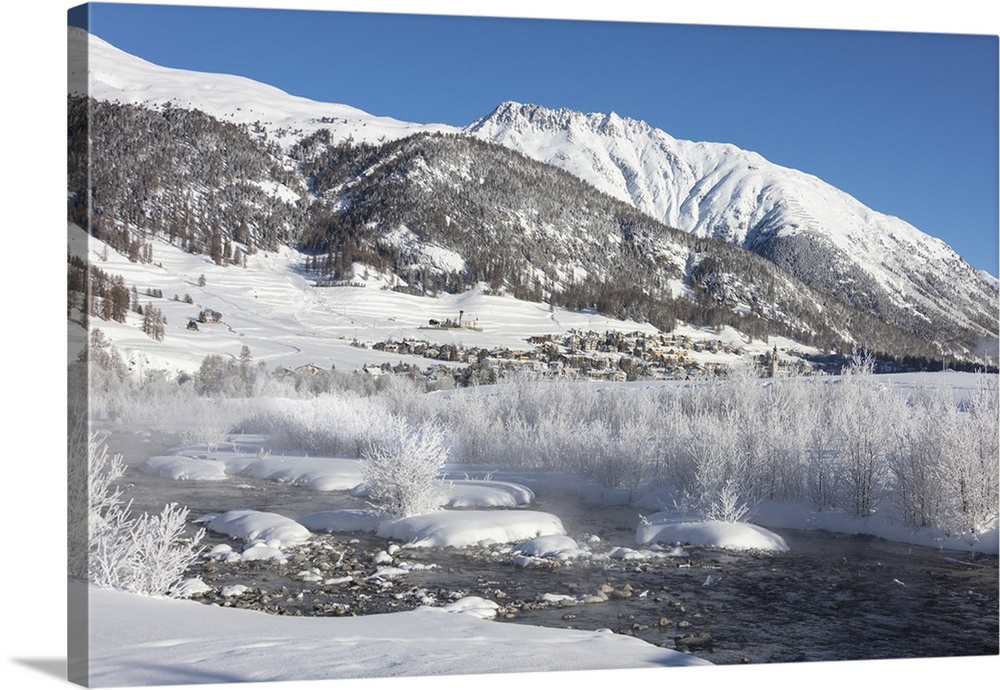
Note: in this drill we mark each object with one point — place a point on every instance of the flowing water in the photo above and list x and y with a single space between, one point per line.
831 597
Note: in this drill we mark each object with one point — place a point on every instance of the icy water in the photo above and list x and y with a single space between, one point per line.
833 597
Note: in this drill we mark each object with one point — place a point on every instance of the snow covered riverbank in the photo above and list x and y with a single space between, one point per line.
195 643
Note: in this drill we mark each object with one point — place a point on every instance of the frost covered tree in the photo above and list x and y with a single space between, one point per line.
820 457
401 472
719 476
922 447
862 416
976 464
147 554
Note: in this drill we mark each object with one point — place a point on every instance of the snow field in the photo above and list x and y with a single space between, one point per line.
273 309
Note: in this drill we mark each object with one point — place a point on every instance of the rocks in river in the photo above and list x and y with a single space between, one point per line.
693 642
609 591
334 576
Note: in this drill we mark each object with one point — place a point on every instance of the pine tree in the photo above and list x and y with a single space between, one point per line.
215 250
153 322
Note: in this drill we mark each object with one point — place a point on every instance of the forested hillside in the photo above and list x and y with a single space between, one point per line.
435 212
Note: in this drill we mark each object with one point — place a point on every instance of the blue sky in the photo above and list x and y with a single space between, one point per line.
905 122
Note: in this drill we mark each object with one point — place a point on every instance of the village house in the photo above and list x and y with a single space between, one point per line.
209 316
310 369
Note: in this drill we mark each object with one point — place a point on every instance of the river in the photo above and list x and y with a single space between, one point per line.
832 597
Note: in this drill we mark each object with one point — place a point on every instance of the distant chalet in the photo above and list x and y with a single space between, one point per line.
460 323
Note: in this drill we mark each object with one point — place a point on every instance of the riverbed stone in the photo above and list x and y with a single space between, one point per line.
693 642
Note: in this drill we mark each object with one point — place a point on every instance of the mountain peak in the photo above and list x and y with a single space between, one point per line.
876 262
525 117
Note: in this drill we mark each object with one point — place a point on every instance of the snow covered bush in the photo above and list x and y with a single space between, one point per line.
210 429
401 472
334 423
719 477
147 554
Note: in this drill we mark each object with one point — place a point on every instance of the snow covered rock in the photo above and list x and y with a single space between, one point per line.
666 529
471 527
551 546
472 493
251 525
180 467
473 606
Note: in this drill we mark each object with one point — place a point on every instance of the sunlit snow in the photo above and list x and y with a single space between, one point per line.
193 641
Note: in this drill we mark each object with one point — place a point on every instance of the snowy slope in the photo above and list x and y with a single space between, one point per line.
115 75
276 311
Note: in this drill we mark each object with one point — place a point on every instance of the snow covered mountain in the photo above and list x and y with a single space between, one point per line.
301 183
100 70
823 236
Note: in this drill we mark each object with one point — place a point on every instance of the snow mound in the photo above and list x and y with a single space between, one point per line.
552 546
253 525
191 587
623 553
319 473
667 529
197 463
234 591
475 493
183 468
471 527
474 606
